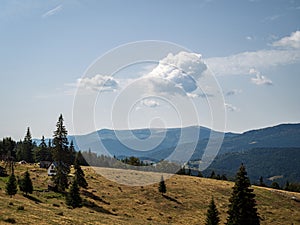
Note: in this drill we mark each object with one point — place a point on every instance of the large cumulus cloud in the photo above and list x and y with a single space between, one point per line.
177 73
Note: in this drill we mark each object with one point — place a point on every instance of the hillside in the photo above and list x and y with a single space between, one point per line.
111 203
266 162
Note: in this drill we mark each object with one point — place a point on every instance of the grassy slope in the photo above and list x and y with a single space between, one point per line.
186 202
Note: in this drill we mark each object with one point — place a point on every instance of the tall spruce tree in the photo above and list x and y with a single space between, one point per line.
79 174
242 207
73 198
11 185
26 184
162 188
212 215
25 148
61 155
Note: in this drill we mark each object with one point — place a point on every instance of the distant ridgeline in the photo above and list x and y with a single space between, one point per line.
272 153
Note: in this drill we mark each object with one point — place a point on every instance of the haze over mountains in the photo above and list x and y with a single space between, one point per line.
280 136
268 152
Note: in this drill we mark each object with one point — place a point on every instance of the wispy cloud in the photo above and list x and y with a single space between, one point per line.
95 83
233 92
152 103
231 108
260 79
53 11
241 63
273 17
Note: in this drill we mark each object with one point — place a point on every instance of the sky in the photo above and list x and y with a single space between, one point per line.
228 65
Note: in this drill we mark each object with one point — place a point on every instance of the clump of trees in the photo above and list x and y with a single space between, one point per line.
242 205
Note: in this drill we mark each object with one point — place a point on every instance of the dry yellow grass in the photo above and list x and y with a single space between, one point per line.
185 202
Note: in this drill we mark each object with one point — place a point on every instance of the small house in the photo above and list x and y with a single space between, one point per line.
52 169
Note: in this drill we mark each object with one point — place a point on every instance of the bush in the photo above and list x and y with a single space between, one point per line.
20 207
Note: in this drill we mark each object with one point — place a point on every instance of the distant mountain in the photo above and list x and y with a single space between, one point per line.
267 152
273 164
153 144
159 143
280 136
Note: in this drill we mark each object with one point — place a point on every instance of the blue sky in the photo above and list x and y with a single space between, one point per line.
252 47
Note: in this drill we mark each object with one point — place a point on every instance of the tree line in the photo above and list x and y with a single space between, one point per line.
60 152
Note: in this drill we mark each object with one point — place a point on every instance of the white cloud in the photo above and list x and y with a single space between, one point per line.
52 11
259 79
292 41
249 38
241 63
231 108
98 83
177 73
150 103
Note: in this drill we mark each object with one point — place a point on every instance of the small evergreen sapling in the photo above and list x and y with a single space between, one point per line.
162 186
25 184
73 198
11 185
79 174
212 216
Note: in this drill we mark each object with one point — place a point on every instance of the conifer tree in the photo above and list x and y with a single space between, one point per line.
61 155
212 216
72 152
242 207
11 185
73 198
162 188
25 184
43 153
79 174
25 148
213 175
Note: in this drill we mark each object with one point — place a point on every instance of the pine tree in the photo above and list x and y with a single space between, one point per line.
61 155
72 152
42 152
25 148
212 216
73 198
26 184
242 207
162 186
11 185
28 147
79 174
212 175
261 182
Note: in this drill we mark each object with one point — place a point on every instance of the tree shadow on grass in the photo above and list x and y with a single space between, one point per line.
94 197
172 199
93 206
32 198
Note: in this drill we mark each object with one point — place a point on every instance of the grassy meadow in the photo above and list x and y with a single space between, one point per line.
107 202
